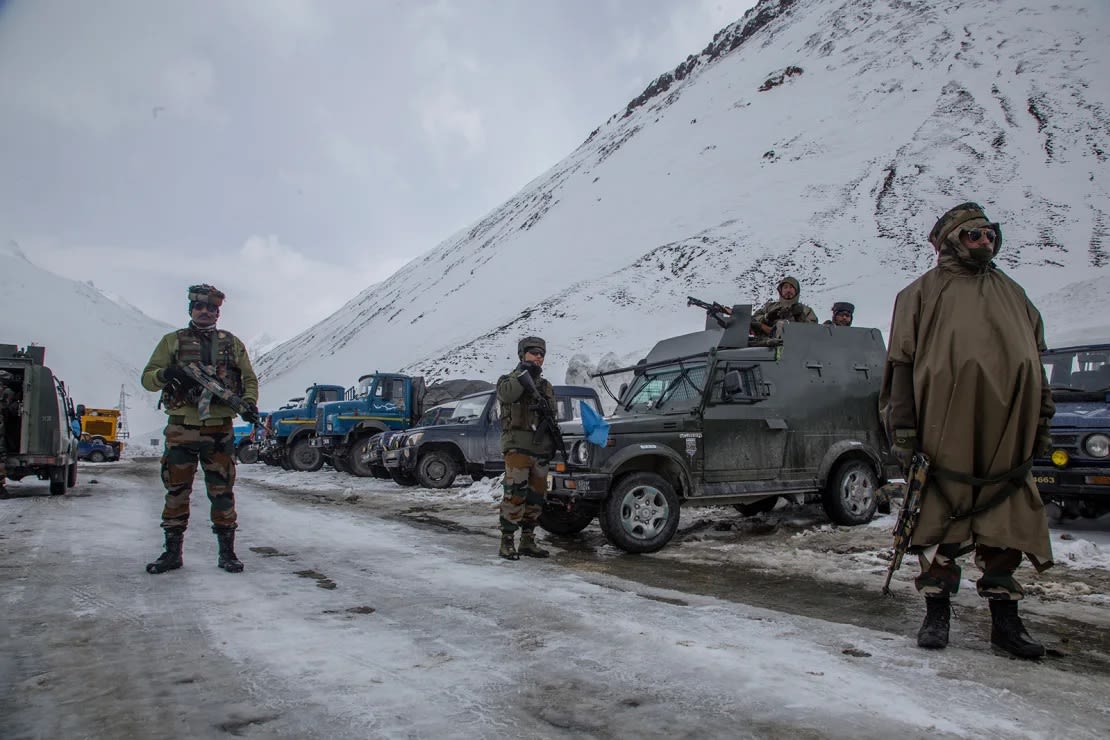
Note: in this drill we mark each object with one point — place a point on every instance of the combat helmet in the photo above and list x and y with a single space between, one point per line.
964 216
529 342
206 293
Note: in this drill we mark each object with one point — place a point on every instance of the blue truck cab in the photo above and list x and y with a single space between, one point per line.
381 402
291 430
1076 474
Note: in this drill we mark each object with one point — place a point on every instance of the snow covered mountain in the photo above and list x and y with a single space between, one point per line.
819 138
95 343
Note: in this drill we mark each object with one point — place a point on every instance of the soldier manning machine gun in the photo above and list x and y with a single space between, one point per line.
719 312
548 419
208 387
907 518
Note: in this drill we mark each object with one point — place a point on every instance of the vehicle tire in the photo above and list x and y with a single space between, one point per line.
339 462
380 471
851 495
96 456
562 522
437 469
355 464
762 506
402 479
58 476
283 461
641 513
304 457
247 454
71 475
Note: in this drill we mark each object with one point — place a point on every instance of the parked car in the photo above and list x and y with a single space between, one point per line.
96 450
376 456
469 442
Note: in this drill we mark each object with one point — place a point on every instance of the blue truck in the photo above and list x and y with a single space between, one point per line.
1075 476
291 431
345 430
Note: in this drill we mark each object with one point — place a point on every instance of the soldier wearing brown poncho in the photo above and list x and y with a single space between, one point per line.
964 384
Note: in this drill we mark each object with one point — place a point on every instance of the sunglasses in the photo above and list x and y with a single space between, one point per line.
201 305
535 351
976 234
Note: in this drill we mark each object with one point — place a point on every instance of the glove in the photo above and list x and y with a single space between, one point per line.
904 447
249 413
177 373
1043 444
532 368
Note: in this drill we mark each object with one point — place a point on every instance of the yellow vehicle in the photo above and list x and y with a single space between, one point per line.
100 435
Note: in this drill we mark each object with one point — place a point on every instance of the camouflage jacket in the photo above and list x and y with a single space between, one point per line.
519 419
218 347
792 310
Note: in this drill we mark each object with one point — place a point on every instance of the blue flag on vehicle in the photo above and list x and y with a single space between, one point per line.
596 428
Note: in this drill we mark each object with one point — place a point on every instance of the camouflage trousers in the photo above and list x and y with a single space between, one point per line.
214 449
941 577
525 490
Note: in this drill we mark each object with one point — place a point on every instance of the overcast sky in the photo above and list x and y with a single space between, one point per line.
294 152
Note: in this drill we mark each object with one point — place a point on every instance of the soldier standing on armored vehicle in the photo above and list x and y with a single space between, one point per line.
8 403
198 431
527 447
767 321
842 313
964 385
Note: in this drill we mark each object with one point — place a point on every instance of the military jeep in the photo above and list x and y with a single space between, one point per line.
707 420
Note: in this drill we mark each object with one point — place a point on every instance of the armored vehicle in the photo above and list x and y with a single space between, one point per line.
1076 474
39 423
469 442
707 420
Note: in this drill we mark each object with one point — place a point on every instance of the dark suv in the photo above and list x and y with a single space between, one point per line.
469 442
707 420
391 440
1076 474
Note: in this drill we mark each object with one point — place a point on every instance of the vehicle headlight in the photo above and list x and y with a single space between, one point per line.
580 453
329 422
413 439
1097 445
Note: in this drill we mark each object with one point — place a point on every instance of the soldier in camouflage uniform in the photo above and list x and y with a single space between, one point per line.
8 404
767 321
842 313
527 451
194 436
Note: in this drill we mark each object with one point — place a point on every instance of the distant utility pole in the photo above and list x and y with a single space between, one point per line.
123 433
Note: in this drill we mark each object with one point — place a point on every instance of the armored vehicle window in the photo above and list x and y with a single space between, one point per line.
670 387
470 410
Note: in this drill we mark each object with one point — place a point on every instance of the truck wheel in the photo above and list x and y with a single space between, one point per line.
563 522
641 513
402 479
359 450
437 469
71 475
58 480
96 456
247 454
304 457
339 462
850 496
761 506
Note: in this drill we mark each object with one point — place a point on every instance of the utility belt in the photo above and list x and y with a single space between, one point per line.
180 421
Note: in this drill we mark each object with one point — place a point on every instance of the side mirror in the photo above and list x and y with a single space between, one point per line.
80 409
621 390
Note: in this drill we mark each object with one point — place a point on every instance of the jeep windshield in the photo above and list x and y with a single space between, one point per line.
470 410
666 388
1080 370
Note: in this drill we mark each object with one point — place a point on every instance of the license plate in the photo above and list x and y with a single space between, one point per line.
1044 479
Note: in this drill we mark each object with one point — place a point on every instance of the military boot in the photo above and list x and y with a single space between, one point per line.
529 547
934 630
1008 633
228 561
171 558
508 547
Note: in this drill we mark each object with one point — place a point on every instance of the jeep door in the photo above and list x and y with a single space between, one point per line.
744 439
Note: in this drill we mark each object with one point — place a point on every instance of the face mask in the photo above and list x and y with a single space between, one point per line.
981 255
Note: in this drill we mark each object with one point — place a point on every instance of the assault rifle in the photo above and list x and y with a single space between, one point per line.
208 386
548 420
716 310
916 477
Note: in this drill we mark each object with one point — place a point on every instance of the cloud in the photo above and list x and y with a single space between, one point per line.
446 120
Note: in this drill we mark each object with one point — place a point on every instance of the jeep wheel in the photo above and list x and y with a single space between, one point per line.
96 456
437 469
641 513
304 457
58 480
761 506
247 454
850 496
71 475
402 479
360 449
557 520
